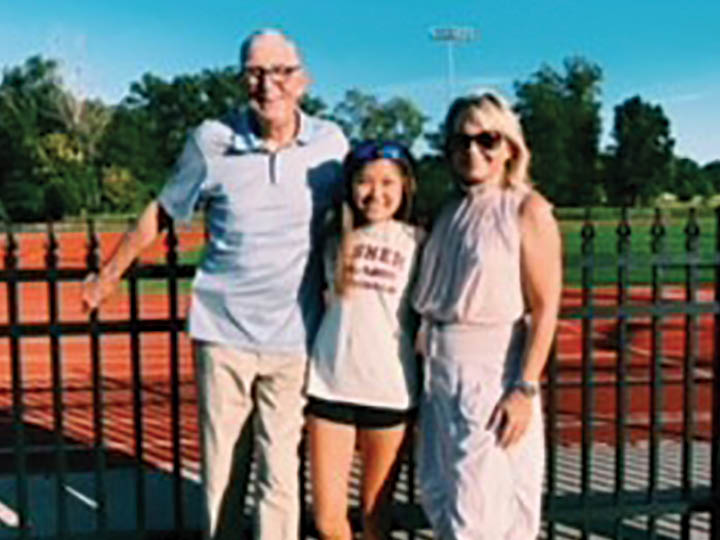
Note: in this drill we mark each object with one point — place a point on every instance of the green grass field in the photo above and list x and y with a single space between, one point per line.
605 248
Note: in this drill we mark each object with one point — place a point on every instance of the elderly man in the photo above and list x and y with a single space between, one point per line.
264 175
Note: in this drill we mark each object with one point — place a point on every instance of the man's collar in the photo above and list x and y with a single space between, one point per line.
246 131
305 128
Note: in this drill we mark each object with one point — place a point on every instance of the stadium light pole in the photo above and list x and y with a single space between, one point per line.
452 35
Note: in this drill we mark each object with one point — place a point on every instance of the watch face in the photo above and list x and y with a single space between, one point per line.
527 388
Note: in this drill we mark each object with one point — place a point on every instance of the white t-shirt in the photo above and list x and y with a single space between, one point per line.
363 353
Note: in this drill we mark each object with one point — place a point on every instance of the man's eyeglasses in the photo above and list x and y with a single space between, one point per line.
487 140
277 74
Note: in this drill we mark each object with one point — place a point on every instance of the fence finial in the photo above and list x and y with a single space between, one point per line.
11 247
52 246
692 231
587 233
92 257
657 232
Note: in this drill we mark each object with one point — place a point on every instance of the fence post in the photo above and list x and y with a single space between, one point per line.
623 232
11 265
692 237
92 261
657 248
51 265
588 383
171 244
137 397
551 405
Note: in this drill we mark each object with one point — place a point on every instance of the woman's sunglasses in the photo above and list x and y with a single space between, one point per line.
487 140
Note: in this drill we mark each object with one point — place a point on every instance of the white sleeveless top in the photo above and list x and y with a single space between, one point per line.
470 270
363 353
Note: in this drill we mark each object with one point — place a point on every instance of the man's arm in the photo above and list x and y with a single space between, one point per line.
98 287
177 200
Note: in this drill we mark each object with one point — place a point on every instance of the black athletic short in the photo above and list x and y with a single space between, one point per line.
358 415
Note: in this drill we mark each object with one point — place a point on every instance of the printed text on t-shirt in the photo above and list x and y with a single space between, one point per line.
372 266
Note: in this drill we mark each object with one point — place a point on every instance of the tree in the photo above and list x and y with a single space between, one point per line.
435 139
435 185
688 179
560 115
313 105
363 116
131 142
50 140
582 82
121 191
170 109
29 95
151 123
711 171
641 157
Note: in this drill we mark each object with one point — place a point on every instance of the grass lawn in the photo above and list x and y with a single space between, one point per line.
605 257
639 258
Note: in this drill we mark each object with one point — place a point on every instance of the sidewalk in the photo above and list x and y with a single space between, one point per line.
121 486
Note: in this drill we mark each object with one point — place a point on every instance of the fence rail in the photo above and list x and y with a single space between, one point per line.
98 412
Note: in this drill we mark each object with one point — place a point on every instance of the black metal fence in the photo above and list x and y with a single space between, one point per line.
98 428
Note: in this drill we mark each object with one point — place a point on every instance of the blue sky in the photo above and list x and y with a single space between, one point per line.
668 52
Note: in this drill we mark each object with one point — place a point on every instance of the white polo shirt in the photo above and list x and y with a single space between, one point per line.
258 286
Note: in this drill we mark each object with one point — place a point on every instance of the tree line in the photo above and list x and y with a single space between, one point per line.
61 155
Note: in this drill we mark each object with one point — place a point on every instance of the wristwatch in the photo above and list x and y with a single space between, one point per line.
527 388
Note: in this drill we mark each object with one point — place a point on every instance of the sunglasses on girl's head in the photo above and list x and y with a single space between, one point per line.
487 140
370 150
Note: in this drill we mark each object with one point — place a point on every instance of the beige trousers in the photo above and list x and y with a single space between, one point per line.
250 403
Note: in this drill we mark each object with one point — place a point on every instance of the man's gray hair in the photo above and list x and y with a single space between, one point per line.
249 41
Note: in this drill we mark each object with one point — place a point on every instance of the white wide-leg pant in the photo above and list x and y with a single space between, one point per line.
472 488
230 412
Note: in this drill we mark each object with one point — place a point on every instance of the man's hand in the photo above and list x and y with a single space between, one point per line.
98 287
95 290
511 417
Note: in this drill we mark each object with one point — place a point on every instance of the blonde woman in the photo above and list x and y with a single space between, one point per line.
488 293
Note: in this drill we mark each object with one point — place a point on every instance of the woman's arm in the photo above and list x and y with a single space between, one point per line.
541 271
97 287
541 266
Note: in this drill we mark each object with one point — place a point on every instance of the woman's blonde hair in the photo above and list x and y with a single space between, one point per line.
502 118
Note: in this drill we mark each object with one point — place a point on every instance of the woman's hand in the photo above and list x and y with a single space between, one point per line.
511 417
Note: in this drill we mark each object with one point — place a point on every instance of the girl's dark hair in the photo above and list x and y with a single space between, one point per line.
350 216
371 150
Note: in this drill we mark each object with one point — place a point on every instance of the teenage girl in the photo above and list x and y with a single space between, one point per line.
363 380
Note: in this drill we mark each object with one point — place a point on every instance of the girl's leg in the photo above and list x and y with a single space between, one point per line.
331 451
381 450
